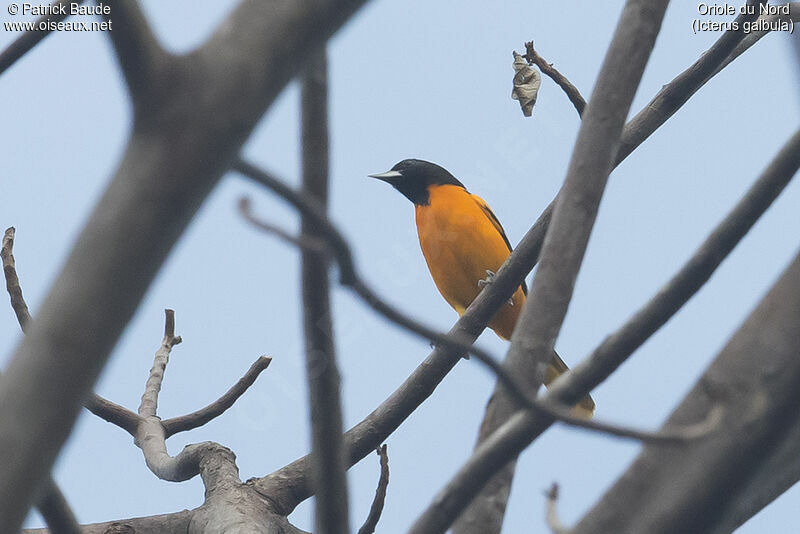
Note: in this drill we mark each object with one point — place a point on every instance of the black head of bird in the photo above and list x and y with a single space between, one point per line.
412 177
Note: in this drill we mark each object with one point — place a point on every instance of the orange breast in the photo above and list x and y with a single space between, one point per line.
460 242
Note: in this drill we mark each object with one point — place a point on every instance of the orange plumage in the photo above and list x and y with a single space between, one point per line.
462 239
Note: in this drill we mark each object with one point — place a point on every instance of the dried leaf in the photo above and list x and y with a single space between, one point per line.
526 84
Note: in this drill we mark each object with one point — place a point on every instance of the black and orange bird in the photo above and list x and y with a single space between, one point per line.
463 243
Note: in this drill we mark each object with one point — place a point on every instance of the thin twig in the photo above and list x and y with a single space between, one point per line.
380 494
28 40
218 407
551 514
12 280
149 404
303 242
113 413
570 90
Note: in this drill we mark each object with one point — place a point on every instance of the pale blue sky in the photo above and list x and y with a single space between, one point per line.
408 79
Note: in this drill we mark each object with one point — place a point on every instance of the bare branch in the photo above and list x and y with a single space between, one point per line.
564 414
779 472
570 90
308 208
660 109
56 511
322 373
218 407
215 97
553 521
513 436
757 377
156 524
141 58
113 413
12 280
28 40
149 404
380 495
676 93
562 253
304 242
151 437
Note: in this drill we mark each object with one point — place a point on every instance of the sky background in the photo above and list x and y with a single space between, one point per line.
408 79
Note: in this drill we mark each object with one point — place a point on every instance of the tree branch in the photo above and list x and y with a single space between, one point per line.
757 377
322 372
380 495
553 521
113 413
676 93
570 90
141 58
28 40
218 407
302 242
156 524
537 329
522 428
212 101
56 511
660 109
151 437
12 280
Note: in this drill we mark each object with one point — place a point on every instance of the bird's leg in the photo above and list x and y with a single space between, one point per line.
488 280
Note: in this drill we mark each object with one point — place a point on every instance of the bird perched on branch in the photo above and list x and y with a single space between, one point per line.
463 243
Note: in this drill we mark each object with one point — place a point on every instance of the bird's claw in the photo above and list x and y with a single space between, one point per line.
488 280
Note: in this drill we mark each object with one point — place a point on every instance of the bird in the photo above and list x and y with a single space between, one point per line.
464 245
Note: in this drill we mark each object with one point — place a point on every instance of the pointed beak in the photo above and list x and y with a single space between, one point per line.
386 176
